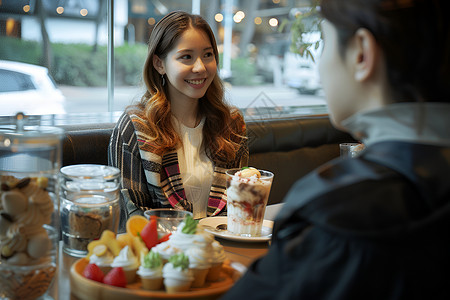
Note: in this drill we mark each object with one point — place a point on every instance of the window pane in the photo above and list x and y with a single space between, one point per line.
263 77
68 39
11 81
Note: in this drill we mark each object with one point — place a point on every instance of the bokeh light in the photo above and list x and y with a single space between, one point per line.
273 22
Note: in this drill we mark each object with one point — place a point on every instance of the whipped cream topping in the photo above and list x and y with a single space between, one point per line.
176 274
150 273
253 180
166 250
126 259
199 258
218 254
249 189
184 241
103 260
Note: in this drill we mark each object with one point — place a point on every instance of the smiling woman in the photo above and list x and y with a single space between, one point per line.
190 68
174 145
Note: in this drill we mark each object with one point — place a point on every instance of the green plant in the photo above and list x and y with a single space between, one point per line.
20 50
78 64
306 22
129 62
243 70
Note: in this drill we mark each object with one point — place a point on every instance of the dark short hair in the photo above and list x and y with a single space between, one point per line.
414 36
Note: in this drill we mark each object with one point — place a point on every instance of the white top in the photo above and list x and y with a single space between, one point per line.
195 167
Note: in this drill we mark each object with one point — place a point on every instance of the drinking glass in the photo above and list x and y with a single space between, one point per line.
168 218
350 149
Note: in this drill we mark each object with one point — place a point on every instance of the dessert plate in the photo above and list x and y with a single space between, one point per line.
86 289
211 222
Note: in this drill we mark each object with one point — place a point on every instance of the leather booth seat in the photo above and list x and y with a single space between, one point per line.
289 147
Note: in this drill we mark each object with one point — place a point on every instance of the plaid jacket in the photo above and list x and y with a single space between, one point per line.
151 179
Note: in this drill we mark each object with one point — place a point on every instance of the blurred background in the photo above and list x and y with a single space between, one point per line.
54 56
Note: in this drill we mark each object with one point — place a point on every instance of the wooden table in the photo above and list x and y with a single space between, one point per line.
238 252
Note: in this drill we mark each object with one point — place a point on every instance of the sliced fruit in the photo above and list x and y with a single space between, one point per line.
139 247
135 224
116 277
125 239
100 250
108 238
93 272
149 234
92 245
107 235
164 238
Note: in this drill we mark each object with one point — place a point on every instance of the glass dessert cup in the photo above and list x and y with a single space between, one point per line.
246 202
168 218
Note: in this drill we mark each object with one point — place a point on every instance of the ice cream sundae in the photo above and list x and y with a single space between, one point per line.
247 195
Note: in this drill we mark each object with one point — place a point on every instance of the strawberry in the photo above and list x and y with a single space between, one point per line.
164 238
149 233
93 272
116 277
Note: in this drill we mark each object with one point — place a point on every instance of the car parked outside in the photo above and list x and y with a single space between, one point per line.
301 74
29 89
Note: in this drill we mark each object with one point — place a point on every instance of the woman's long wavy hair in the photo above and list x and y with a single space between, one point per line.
223 125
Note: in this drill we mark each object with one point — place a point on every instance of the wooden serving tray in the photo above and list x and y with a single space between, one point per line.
86 289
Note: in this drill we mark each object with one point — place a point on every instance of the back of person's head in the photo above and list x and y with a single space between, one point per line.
414 36
164 37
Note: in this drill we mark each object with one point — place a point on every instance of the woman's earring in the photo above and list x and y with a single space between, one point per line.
163 80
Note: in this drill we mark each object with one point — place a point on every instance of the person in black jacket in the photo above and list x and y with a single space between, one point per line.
375 226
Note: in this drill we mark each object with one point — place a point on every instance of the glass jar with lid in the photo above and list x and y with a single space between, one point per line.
89 195
30 159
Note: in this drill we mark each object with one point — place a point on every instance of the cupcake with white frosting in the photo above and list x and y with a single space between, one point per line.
102 257
166 250
189 234
196 243
177 275
199 263
129 263
150 271
217 259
